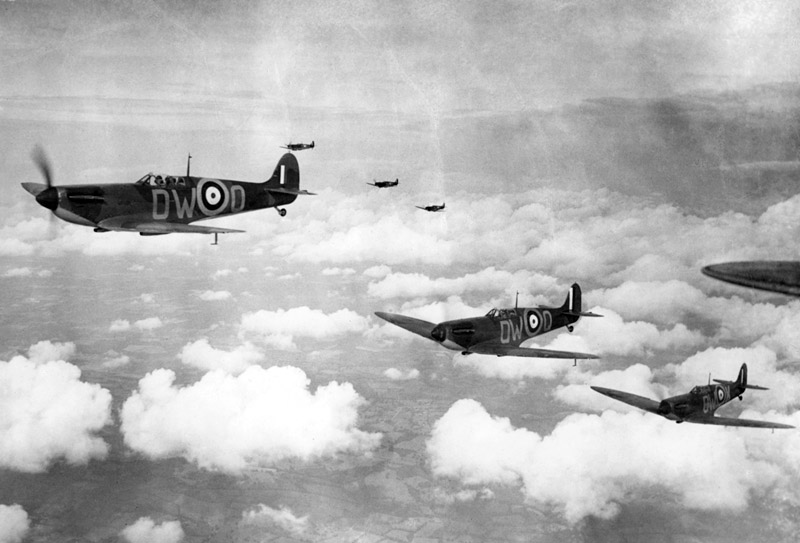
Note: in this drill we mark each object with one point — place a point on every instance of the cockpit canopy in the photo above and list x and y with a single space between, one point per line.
501 313
156 180
697 390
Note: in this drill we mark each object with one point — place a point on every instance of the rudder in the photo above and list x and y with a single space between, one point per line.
573 302
286 175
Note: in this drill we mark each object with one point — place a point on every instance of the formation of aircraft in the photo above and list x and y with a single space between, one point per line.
699 405
433 208
501 331
298 146
773 276
384 184
162 204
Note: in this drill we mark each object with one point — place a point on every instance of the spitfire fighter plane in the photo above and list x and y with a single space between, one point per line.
298 146
773 276
384 184
433 208
163 204
501 331
699 404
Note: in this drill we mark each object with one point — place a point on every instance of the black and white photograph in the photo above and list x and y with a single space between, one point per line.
425 271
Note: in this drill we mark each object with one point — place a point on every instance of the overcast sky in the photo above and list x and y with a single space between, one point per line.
619 145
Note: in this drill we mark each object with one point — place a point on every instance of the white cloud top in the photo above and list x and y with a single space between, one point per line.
590 464
225 422
145 530
14 523
279 328
47 412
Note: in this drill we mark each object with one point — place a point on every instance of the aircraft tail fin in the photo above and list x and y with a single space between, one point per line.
286 174
572 305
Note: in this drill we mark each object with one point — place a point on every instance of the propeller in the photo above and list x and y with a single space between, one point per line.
47 197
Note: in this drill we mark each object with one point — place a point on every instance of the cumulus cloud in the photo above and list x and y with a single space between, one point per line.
120 325
14 523
612 335
201 354
590 464
213 295
145 530
144 325
225 422
149 324
338 271
279 328
47 412
117 361
399 375
283 518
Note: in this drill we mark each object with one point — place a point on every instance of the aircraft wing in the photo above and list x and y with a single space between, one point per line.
123 224
728 421
631 399
418 326
503 350
774 276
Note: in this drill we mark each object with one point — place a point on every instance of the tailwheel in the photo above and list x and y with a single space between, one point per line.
281 212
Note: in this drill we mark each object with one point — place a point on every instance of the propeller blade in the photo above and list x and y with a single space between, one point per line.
40 159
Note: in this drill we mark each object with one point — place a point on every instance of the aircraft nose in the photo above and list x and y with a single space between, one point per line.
48 198
439 333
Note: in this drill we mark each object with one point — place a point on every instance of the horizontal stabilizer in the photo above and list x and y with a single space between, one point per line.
295 192
581 314
749 387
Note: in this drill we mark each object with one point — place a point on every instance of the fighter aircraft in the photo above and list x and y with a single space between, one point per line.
298 146
774 276
161 204
699 404
501 331
384 184
433 208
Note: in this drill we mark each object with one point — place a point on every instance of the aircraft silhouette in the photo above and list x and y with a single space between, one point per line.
298 146
164 204
699 405
501 331
384 184
774 276
433 208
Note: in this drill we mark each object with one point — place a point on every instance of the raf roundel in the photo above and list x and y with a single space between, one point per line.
720 394
533 321
213 196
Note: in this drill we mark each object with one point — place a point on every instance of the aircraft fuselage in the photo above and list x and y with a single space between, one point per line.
508 327
701 402
194 199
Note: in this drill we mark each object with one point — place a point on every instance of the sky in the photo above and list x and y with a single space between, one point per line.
164 389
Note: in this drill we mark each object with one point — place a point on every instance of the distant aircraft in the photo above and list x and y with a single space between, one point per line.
433 208
384 184
774 276
298 146
501 331
163 204
697 406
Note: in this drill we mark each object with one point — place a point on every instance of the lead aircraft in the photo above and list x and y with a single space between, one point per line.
384 184
163 204
699 404
501 331
298 146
